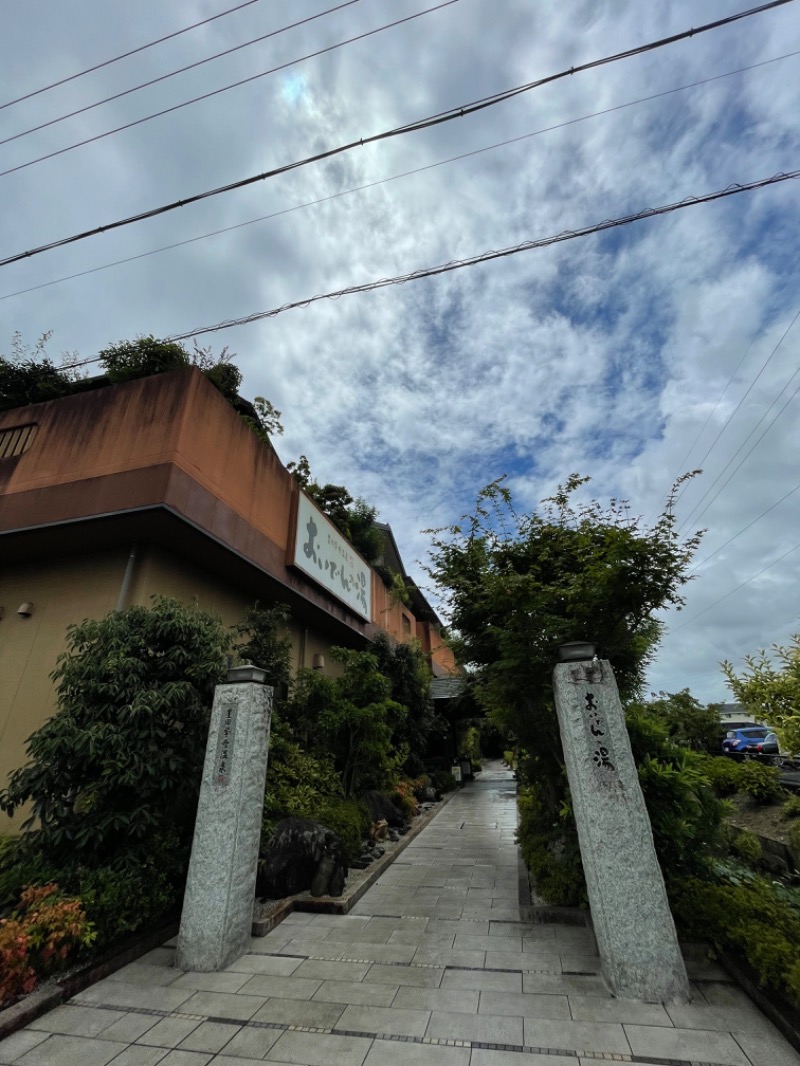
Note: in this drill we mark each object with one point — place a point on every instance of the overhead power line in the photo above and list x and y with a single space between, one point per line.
727 595
421 124
396 177
182 70
132 52
688 519
225 88
485 257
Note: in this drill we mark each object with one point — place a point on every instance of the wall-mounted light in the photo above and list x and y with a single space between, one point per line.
576 651
318 662
25 610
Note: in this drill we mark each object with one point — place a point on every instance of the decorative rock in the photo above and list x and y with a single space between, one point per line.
320 886
293 856
381 807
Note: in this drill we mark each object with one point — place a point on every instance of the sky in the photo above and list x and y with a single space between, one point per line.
629 356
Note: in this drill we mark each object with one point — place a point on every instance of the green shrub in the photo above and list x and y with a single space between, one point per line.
791 808
748 847
510 758
298 782
724 774
762 783
794 839
443 780
551 851
349 819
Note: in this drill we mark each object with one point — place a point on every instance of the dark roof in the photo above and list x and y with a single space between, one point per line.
447 688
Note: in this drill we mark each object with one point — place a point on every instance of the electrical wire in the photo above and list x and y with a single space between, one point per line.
738 587
689 518
485 257
182 70
132 52
421 124
749 525
225 88
396 177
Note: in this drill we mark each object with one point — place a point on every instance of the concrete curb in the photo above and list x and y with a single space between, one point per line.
343 904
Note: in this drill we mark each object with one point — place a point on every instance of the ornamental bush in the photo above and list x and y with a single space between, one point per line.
762 783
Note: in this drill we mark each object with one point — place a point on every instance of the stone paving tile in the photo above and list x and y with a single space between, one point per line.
466 942
319 1049
157 957
524 1005
224 1005
564 984
168 1032
482 981
280 987
387 1020
130 1027
719 1019
138 1055
580 963
185 1058
150 974
426 956
332 971
121 994
519 960
480 1027
278 966
457 1000
19 1043
378 952
60 1050
767 1049
691 1044
375 995
422 938
250 1043
212 982
210 1036
400 975
580 1036
392 1053
71 1020
596 1009
490 1057
314 1013
329 949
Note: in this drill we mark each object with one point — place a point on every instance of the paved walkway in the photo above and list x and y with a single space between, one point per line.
432 968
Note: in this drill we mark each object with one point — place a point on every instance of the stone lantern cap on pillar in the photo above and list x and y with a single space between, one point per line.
248 672
576 651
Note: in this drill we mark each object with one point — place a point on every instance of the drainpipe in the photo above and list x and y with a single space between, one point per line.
127 580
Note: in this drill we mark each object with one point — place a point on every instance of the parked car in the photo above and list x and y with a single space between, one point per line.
750 740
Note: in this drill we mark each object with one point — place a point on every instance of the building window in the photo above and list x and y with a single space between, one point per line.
16 440
406 626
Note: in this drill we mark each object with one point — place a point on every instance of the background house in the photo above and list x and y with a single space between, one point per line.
157 486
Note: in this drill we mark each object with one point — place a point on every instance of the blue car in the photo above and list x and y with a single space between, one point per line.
750 740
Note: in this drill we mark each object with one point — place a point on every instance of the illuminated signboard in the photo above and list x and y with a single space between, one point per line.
322 553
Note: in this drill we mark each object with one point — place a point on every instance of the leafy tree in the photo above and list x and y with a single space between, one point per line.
142 357
120 762
30 376
518 586
687 722
352 716
355 519
268 645
405 665
769 688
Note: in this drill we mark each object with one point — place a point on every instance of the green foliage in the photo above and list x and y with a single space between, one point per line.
794 839
267 644
354 519
518 586
405 665
298 782
469 743
724 774
121 759
348 818
687 721
769 688
550 850
745 915
748 847
142 357
352 716
685 815
791 808
762 783
37 939
29 376
443 780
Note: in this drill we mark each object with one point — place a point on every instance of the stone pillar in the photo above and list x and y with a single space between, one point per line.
220 889
636 937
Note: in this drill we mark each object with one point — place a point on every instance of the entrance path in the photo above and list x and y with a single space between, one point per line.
432 968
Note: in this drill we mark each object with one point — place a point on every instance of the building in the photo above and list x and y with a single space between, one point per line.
156 486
